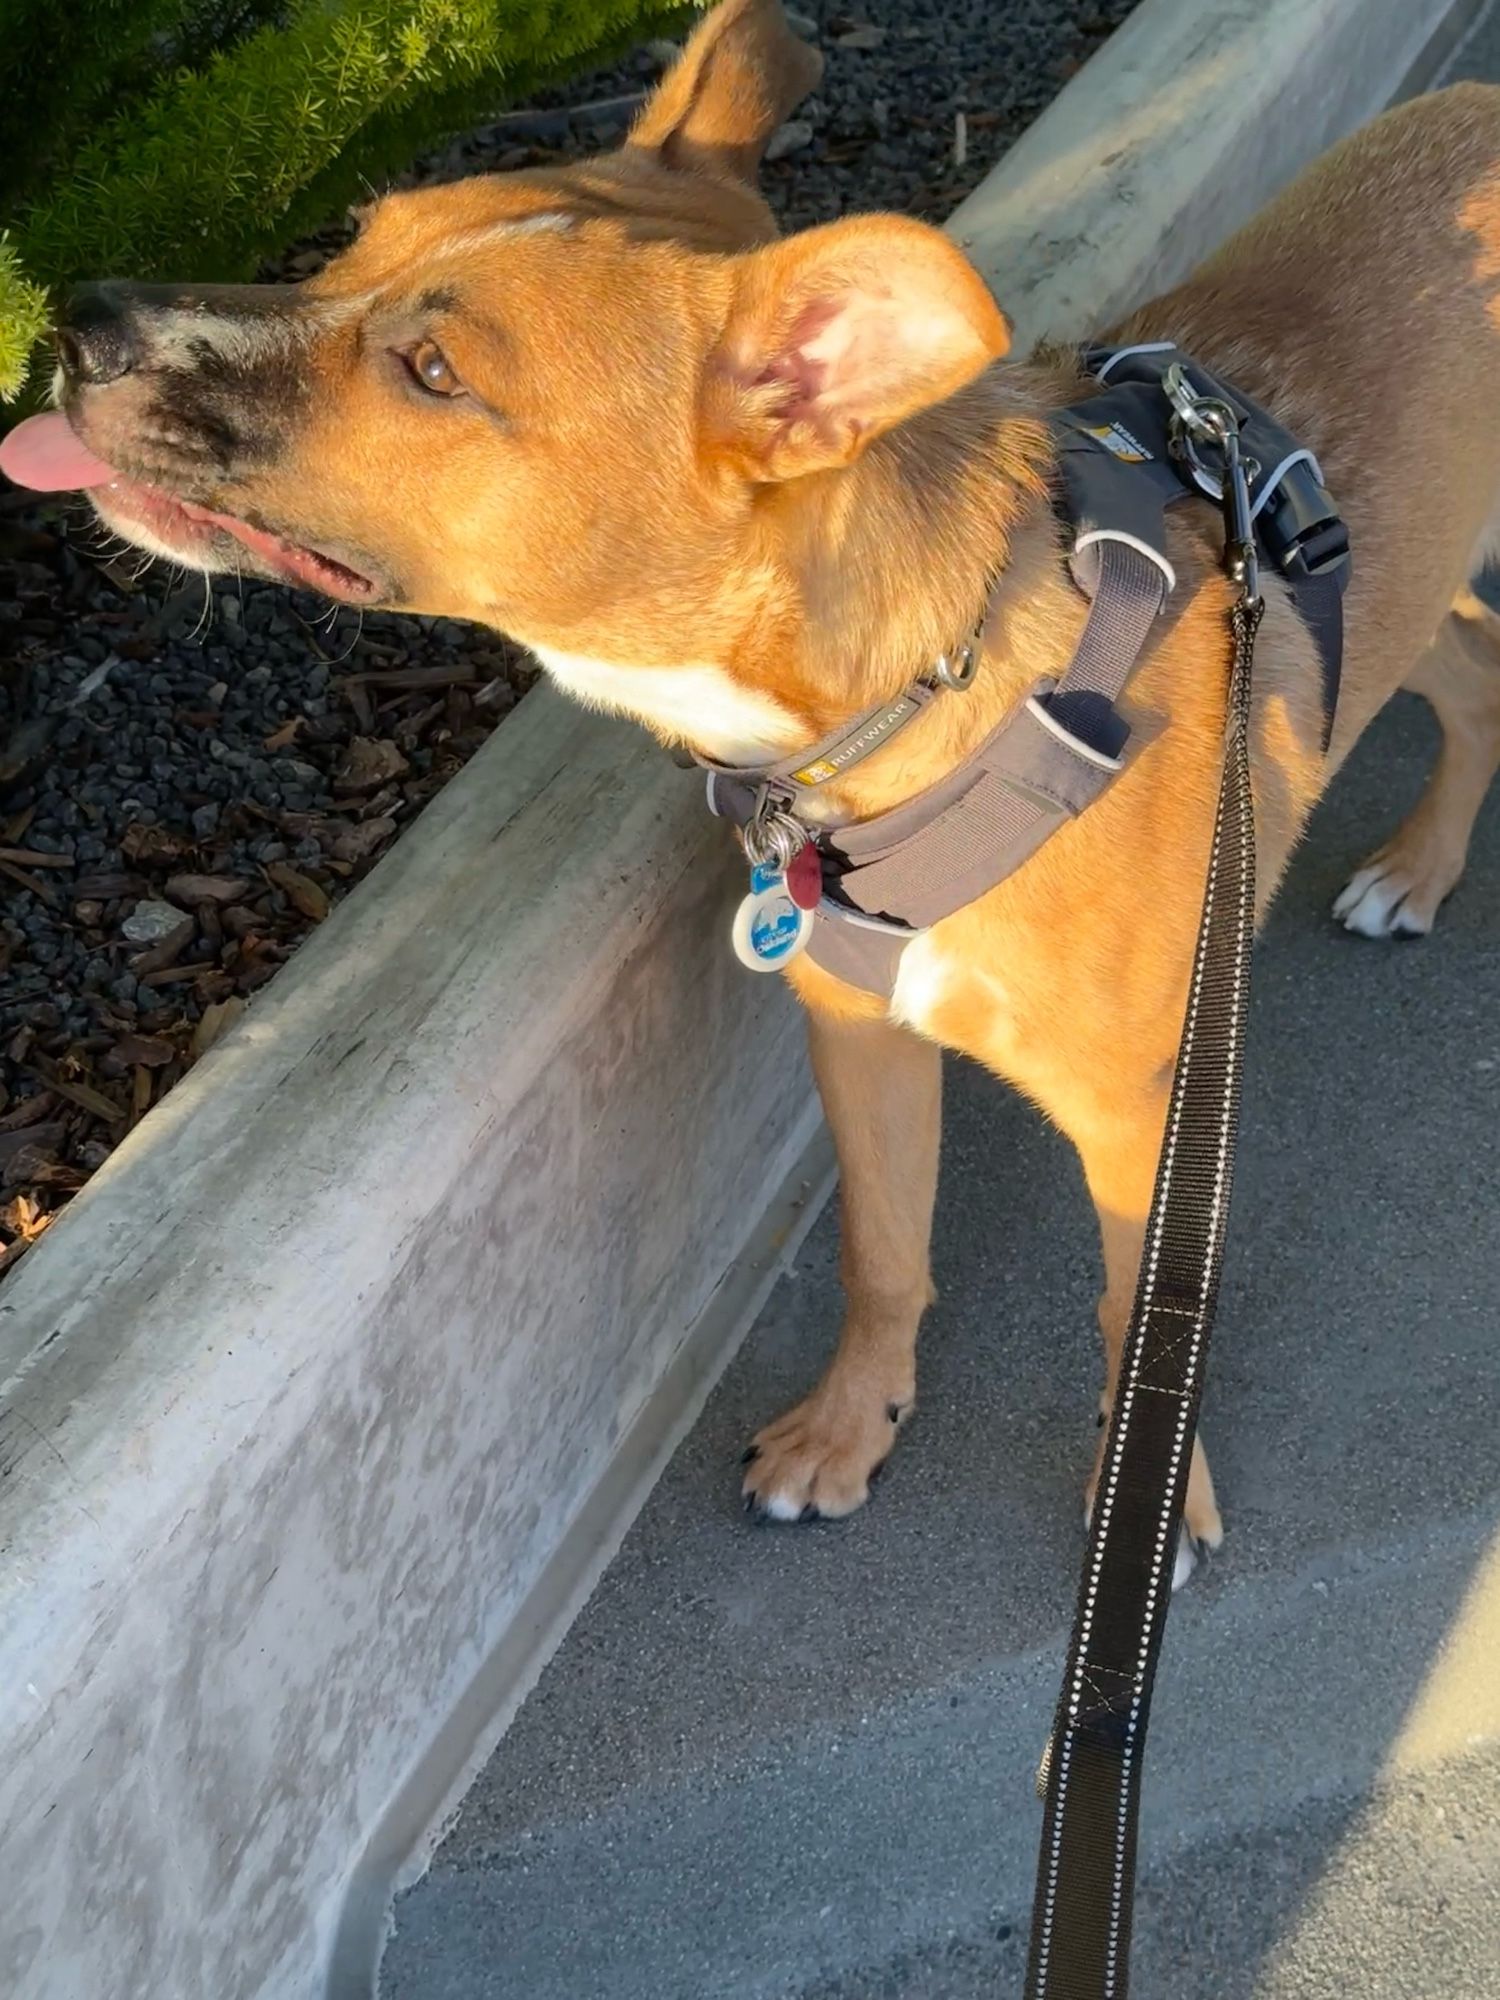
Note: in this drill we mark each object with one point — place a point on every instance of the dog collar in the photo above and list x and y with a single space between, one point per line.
777 785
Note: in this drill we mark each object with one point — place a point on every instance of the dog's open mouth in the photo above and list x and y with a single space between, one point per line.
46 454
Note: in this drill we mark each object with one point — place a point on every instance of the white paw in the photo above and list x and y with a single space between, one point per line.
1382 900
1187 1560
1371 905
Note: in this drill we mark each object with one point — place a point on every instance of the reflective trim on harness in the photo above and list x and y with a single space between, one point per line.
1120 354
1158 556
1074 743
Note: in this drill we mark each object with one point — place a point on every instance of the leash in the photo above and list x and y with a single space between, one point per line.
1091 1771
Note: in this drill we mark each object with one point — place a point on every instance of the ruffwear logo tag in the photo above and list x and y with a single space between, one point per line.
1118 441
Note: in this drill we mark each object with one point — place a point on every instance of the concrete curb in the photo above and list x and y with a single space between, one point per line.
1188 119
330 1396
305 1392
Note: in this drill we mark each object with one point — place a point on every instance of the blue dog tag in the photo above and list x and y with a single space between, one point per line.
769 929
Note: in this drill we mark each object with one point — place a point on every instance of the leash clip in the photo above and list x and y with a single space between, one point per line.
1239 530
1200 422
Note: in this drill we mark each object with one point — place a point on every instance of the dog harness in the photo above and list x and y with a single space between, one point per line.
1145 437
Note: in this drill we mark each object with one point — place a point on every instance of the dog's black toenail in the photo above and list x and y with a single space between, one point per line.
876 1470
1100 1421
893 1411
809 1513
749 1457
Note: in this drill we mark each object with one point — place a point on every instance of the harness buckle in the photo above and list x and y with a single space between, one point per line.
1300 526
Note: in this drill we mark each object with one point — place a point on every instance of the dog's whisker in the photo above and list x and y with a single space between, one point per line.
205 617
359 630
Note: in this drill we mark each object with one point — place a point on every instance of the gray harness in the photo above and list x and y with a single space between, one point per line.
1140 443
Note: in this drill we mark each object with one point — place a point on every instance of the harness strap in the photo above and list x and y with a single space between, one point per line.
1320 602
1037 768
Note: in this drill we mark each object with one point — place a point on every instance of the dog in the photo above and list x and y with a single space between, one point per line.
740 486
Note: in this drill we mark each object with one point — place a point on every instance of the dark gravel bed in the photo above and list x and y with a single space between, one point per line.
191 776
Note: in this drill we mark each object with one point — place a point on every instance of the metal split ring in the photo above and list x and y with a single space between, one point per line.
774 836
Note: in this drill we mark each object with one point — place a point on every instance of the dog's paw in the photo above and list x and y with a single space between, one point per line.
1187 1560
817 1462
1206 1533
1397 894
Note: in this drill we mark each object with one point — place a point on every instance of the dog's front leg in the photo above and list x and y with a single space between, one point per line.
882 1090
1119 1163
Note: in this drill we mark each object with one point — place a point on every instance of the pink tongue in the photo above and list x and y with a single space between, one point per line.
47 454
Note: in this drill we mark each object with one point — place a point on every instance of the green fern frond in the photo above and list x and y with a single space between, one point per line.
23 319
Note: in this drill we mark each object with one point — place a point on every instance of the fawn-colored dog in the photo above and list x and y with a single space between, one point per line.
741 487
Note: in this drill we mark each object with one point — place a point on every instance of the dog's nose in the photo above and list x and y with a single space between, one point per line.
97 340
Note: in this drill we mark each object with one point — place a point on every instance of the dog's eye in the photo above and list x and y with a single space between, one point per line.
432 370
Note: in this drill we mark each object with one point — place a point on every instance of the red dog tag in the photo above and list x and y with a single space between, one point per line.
804 877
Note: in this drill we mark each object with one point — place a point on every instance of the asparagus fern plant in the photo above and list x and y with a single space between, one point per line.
190 138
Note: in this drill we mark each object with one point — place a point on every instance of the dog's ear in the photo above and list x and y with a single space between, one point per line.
841 333
714 112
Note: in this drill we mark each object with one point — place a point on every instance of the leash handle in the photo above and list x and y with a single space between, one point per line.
1081 1922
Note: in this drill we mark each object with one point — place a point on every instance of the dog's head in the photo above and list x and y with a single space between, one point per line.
544 400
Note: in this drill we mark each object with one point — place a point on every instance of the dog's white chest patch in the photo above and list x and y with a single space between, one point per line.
927 976
699 703
922 979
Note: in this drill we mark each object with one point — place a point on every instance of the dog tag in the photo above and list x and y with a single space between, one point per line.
769 928
804 877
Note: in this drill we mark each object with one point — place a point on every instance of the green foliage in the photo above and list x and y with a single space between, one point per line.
23 316
174 138
111 55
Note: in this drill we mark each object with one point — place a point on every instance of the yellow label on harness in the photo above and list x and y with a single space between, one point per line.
1118 441
816 774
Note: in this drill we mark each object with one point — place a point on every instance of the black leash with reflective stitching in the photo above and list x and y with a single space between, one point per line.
1081 1922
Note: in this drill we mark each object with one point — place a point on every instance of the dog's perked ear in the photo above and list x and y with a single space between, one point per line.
714 112
838 335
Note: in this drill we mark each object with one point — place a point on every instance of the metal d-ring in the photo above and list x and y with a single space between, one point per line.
1203 420
956 670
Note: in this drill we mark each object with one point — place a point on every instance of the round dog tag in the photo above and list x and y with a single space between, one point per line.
769 929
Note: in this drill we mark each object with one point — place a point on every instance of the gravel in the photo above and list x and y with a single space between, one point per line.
191 775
